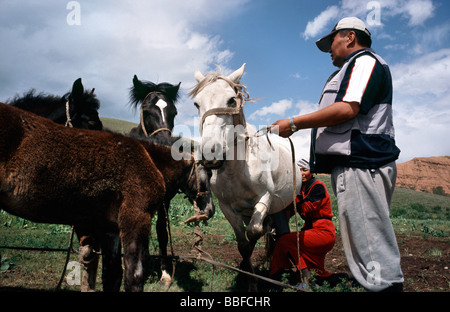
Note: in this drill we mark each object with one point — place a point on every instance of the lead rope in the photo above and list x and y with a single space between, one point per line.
294 197
69 248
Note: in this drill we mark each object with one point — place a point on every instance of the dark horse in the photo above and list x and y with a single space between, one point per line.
78 107
157 107
107 185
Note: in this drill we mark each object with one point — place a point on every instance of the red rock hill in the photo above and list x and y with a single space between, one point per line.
426 174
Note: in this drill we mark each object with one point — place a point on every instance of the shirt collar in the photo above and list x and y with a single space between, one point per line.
358 51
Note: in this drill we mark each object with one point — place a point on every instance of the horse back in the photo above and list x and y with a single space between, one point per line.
49 169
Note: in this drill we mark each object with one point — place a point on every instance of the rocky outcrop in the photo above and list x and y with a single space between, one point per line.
427 174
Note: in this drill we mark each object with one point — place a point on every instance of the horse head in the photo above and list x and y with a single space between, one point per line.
198 191
157 103
83 107
220 100
79 107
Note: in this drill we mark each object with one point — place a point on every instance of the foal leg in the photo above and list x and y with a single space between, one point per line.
161 232
111 261
89 260
135 231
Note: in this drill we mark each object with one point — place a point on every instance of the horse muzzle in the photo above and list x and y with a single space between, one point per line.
213 164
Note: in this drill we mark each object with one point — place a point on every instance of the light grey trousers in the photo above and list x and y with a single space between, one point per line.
363 198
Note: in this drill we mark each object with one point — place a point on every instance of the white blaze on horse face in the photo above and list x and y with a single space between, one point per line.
161 105
217 130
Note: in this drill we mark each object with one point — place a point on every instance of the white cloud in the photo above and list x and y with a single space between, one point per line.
158 40
415 11
427 75
421 110
418 11
306 107
320 22
278 108
431 39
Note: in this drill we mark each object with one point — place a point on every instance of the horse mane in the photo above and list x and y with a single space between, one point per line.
30 100
138 93
213 77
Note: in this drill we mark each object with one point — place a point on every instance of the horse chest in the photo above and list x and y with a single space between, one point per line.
231 188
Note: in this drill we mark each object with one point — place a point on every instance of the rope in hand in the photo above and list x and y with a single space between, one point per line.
294 198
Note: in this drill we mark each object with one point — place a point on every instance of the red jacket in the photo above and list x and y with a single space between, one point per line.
317 236
314 202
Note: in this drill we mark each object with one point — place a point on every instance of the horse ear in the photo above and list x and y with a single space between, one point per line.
236 76
172 92
77 88
136 81
198 75
139 91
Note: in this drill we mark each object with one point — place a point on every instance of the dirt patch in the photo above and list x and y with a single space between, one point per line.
425 260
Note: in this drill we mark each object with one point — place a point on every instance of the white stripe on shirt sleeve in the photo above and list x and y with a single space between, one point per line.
359 78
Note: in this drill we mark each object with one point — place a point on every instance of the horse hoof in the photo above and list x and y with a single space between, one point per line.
165 280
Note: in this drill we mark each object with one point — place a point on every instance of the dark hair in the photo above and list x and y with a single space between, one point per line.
363 39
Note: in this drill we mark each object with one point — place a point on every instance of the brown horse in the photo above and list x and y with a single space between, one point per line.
104 184
196 185
183 175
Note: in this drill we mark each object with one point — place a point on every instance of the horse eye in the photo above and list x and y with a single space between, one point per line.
196 105
232 102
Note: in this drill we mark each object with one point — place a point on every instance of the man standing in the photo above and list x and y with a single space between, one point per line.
353 139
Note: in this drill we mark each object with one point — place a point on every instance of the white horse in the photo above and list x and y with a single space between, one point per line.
252 173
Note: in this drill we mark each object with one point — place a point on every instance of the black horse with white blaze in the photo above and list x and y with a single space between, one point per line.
157 107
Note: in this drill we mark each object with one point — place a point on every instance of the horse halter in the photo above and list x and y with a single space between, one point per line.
142 118
236 112
68 120
197 217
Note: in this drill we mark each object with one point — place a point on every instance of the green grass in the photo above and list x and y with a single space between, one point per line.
118 125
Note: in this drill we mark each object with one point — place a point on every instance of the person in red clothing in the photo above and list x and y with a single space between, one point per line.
317 236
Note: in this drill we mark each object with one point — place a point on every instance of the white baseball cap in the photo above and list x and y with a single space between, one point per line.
324 43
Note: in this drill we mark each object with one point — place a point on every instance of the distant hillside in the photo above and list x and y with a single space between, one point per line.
118 125
427 174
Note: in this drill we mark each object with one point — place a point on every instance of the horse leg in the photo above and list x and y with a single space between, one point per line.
245 248
135 231
111 261
255 228
89 260
161 232
245 245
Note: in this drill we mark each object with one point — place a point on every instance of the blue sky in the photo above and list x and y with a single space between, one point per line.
47 45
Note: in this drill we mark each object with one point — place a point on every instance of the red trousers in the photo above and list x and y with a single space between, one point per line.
314 244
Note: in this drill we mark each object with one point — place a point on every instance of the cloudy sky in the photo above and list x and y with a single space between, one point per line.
46 45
